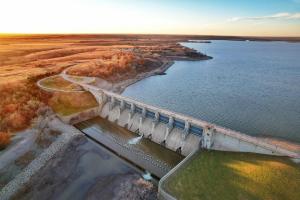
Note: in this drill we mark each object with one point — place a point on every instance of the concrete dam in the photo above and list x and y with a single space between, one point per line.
175 131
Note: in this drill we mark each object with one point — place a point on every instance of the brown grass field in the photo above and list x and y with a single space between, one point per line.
25 59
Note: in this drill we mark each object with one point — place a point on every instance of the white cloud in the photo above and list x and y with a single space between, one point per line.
283 15
295 16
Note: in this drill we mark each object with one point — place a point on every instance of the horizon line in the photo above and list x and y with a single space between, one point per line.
170 34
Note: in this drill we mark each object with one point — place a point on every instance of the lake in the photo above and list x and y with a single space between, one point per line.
252 87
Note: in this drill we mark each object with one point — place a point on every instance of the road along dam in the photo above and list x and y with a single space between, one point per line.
175 131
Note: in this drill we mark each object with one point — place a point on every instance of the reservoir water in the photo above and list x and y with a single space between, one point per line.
252 87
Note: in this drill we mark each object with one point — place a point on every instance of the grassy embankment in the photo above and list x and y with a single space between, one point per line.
72 103
57 82
67 103
227 175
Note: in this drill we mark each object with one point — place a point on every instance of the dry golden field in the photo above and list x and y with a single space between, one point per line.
25 59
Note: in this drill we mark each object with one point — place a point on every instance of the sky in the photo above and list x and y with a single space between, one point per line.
201 17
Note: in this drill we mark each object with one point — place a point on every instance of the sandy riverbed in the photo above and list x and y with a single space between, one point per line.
84 170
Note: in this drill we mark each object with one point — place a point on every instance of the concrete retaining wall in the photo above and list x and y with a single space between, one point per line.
162 193
81 116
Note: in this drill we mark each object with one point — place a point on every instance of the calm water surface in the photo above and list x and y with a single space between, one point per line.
252 87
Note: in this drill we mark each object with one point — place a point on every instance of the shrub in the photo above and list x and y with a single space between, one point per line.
4 140
19 103
118 64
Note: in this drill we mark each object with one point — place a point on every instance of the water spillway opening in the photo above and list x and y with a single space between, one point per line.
135 140
147 176
178 150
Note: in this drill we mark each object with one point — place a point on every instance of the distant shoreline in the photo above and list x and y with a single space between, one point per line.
153 36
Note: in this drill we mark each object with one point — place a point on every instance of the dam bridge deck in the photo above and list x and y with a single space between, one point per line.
162 118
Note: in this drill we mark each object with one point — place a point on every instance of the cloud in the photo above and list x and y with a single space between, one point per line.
295 16
283 15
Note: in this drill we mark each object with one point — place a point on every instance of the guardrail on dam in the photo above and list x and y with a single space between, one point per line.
176 131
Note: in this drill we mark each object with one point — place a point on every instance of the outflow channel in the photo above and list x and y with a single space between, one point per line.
144 153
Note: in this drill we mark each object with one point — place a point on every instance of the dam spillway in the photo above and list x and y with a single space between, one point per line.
173 133
144 153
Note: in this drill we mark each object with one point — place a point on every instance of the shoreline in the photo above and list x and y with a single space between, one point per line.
121 86
167 63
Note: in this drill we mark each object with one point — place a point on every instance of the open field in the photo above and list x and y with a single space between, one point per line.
25 56
25 59
227 175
